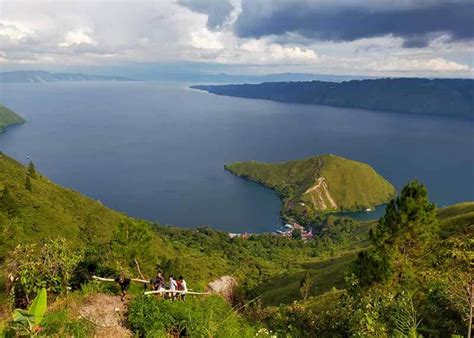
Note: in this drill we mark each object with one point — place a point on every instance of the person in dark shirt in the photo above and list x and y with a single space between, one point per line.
124 283
158 283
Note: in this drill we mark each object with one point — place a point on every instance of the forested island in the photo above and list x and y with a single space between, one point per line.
442 97
8 118
318 184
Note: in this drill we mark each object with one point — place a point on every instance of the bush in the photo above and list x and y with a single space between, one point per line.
33 267
204 317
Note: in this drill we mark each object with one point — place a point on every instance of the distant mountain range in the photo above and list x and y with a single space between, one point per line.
38 76
237 78
448 97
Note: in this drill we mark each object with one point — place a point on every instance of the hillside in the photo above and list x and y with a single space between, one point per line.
49 210
8 118
447 97
322 183
269 269
38 76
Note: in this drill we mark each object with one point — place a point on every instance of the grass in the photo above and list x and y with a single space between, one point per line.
455 217
352 185
8 118
325 274
50 211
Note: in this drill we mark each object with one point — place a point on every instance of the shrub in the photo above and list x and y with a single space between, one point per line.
33 267
204 317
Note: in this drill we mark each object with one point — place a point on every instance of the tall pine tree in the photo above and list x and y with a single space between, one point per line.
28 185
8 203
32 169
401 236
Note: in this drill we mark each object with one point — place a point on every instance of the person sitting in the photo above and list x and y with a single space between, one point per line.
124 283
173 286
182 287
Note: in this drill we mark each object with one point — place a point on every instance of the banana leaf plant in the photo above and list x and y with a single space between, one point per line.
30 320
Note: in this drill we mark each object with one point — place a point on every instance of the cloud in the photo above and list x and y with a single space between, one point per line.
217 11
261 36
12 31
417 22
76 38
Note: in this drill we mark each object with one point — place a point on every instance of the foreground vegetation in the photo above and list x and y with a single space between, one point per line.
405 275
319 183
8 118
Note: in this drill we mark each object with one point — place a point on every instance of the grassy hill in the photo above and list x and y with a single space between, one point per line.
329 270
49 210
324 183
8 117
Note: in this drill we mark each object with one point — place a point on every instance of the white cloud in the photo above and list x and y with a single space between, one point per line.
105 32
76 38
14 31
436 64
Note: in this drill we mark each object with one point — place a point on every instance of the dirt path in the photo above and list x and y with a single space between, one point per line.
107 314
321 189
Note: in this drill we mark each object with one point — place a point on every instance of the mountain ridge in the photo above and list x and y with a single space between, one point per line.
40 76
440 97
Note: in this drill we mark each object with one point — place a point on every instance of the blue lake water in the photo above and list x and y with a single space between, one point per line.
157 151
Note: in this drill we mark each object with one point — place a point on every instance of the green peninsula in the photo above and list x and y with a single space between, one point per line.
320 183
8 118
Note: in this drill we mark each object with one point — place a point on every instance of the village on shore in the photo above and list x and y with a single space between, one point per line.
287 230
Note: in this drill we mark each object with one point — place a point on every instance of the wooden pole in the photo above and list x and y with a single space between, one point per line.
113 280
176 291
471 305
138 268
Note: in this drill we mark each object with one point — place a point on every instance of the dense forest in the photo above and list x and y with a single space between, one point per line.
447 97
405 275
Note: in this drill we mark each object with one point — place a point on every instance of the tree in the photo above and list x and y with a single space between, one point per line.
401 235
28 185
296 234
32 169
305 285
8 203
134 240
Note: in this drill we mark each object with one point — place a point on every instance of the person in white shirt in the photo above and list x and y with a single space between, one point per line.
182 287
173 287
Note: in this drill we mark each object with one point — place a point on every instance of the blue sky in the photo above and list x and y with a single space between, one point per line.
355 37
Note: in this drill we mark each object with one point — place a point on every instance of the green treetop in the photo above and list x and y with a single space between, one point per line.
401 236
31 169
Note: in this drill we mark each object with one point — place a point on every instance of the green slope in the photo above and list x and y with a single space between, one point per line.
49 210
8 118
324 183
269 267
329 272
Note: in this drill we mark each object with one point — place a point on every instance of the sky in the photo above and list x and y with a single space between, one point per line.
432 38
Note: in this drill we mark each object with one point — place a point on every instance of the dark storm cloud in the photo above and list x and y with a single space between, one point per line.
217 10
416 22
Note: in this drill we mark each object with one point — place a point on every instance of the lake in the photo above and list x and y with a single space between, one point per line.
157 151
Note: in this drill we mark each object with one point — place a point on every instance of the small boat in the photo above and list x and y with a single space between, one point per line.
369 210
